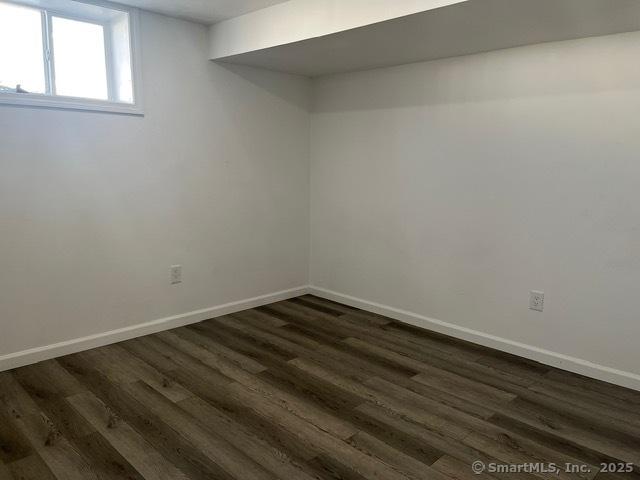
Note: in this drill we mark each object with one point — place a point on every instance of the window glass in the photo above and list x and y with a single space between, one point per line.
21 49
79 59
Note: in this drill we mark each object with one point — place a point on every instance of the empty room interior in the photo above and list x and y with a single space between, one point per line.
319 239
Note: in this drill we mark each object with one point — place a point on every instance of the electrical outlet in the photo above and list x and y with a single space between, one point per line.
175 273
536 300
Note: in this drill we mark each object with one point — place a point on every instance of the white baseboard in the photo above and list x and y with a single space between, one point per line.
565 362
39 354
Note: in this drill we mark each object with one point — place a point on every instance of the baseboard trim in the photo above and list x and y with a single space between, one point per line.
558 360
34 355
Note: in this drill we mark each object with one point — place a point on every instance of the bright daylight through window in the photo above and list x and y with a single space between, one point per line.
63 53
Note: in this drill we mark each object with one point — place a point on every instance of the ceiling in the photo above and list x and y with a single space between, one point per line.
464 28
202 11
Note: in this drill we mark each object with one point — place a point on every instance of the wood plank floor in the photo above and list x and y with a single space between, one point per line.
307 389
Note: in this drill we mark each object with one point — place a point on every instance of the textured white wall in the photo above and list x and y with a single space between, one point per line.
94 208
452 188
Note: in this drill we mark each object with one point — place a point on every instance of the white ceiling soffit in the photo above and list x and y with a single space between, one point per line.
464 28
202 11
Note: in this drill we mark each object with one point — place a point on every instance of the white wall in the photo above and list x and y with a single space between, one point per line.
449 189
94 208
452 188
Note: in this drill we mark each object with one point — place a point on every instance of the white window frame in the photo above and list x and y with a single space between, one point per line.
49 99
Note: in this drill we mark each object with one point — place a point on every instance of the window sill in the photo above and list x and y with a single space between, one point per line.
70 103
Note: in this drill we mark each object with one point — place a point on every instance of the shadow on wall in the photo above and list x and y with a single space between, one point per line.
273 83
573 67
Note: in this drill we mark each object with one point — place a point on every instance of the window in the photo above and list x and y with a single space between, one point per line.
63 53
80 63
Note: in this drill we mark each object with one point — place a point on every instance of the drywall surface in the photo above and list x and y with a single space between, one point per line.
95 207
452 188
390 33
305 19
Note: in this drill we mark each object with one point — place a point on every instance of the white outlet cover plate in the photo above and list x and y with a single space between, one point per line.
536 300
176 274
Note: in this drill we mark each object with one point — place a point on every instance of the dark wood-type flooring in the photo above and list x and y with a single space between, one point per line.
306 389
